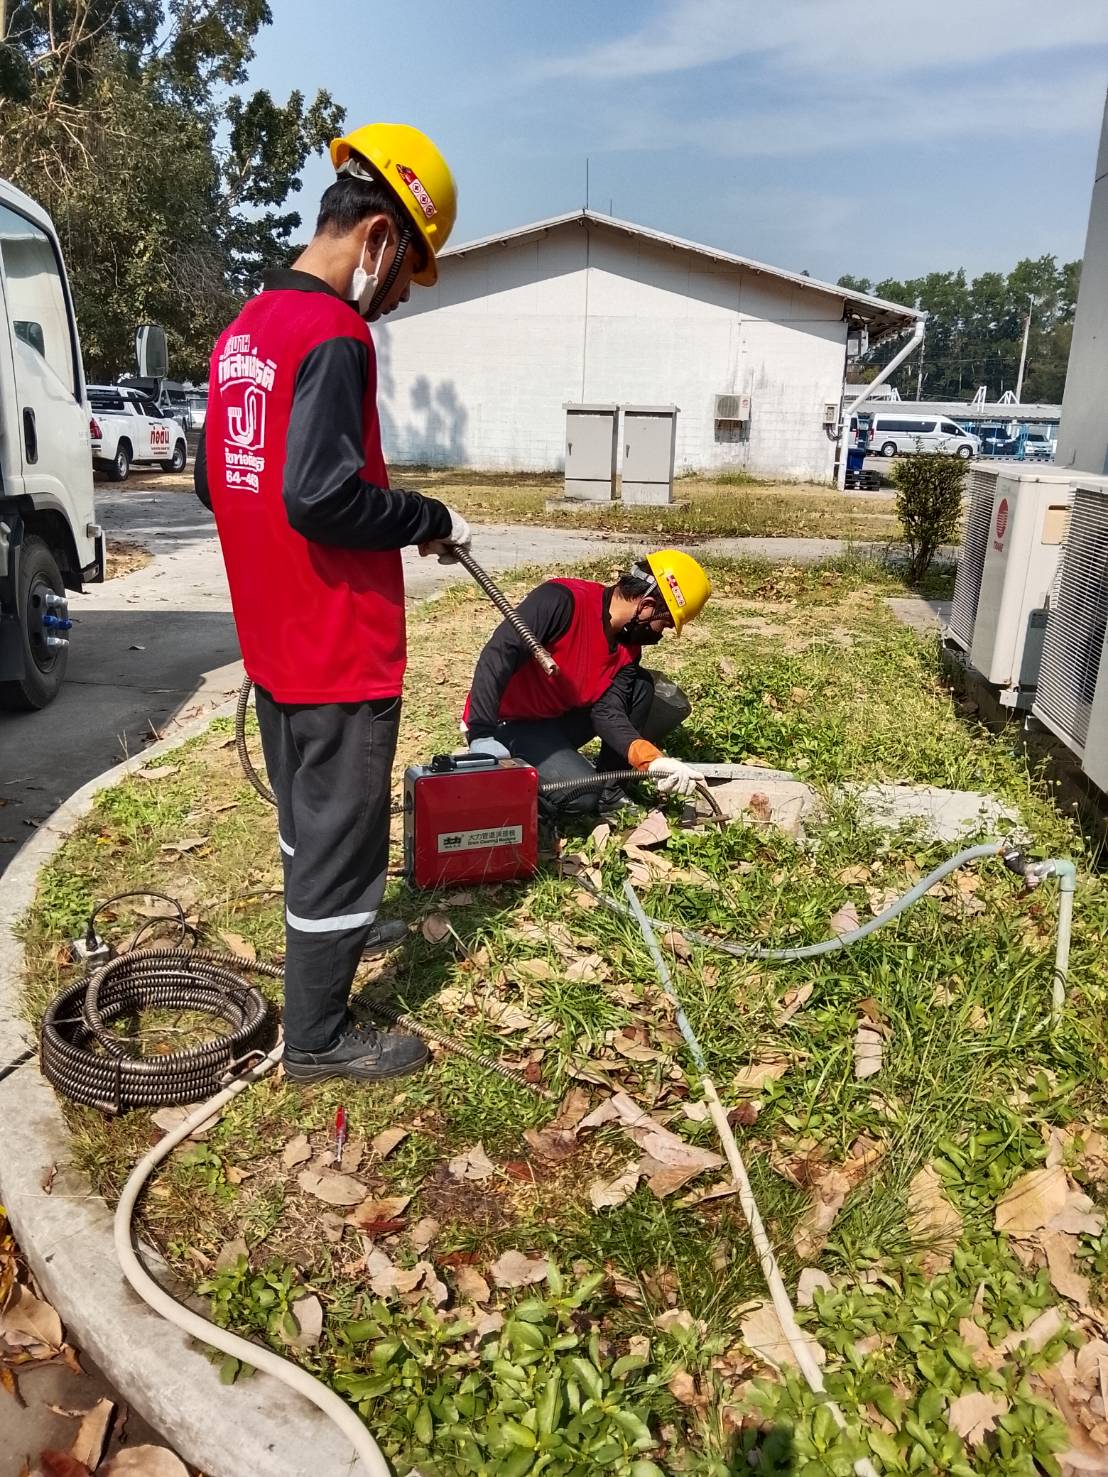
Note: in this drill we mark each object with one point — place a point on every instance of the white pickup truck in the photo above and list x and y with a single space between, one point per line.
49 540
126 426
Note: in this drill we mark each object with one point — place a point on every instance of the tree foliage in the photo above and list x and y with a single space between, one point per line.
166 183
928 504
975 330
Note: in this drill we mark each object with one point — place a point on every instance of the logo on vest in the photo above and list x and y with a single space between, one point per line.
245 380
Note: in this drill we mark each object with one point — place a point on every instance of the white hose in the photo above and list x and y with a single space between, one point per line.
1062 949
800 1345
373 1463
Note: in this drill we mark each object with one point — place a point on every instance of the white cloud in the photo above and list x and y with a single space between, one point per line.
852 37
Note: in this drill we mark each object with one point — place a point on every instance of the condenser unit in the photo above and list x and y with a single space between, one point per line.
1072 696
732 408
1014 534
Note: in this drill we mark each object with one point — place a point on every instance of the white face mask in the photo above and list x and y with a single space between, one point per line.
363 284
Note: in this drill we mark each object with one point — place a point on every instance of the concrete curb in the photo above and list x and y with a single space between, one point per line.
254 1429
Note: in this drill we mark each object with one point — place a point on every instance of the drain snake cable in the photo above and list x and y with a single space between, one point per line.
292 1375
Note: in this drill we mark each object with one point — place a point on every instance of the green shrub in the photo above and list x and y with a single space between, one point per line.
928 504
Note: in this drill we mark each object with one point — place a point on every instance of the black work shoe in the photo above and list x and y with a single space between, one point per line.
361 1053
617 805
385 935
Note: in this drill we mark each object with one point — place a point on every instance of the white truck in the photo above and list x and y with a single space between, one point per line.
49 539
127 426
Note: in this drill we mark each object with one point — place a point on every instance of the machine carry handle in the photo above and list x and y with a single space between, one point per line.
444 763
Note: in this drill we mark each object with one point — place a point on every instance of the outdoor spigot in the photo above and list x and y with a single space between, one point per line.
1034 873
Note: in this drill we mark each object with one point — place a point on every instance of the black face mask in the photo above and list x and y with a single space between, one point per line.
639 633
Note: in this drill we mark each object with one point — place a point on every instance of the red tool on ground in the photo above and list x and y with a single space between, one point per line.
470 818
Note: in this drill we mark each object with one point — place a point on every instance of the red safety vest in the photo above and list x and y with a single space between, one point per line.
316 623
587 665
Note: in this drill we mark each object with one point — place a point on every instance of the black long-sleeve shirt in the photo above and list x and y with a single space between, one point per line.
325 496
547 612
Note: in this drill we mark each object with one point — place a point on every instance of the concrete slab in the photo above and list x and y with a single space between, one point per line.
942 815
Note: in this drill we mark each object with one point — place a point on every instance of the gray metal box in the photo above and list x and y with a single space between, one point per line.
592 447
649 448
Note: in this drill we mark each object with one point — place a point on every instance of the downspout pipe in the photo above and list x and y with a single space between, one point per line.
894 364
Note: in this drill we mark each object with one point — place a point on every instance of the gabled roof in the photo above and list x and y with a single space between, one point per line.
879 316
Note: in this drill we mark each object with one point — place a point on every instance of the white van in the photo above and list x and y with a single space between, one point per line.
895 433
49 540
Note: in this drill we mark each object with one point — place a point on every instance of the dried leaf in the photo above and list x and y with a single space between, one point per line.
754 1078
675 1320
854 876
793 1001
845 920
187 843
762 1333
1037 1334
308 1312
809 1280
423 1232
974 1415
677 944
435 927
605 1194
532 969
28 1321
144 1461
352 1153
721 1191
600 835
552 1143
471 1285
868 1049
88 1445
296 1151
589 970
161 771
1064 1277
1032 1202
1078 1217
829 1195
931 1217
388 1140
513 1269
241 948
331 1188
8 1382
474 1164
230 1253
653 830
167 1119
628 1044
373 1210
573 1108
683 1389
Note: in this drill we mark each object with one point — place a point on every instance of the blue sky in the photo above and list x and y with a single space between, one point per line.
826 135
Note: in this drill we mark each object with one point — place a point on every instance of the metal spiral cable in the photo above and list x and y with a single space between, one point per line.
507 610
86 1061
458 1048
240 744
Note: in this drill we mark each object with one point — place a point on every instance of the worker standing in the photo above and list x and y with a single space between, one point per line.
311 535
595 634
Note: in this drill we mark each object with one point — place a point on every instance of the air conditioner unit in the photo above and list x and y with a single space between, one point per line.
732 408
1072 696
1014 535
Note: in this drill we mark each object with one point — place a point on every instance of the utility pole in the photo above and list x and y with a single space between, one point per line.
919 375
1023 351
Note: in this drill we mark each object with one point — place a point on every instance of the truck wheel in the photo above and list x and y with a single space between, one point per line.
121 463
180 456
889 449
965 452
44 667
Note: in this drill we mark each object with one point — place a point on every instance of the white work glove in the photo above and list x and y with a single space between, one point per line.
490 746
460 537
673 777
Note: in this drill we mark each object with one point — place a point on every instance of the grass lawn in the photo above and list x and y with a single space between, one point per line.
733 505
636 1342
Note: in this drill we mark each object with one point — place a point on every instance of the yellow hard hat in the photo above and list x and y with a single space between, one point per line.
684 585
418 176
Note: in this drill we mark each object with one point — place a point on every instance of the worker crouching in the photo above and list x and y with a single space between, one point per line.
596 634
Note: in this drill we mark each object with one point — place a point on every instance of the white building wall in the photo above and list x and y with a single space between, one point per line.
1083 433
476 371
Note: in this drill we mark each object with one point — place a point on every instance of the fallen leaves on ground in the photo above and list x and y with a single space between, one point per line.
769 1067
376 1211
608 1194
472 1164
653 830
868 1051
331 1188
296 1151
513 1269
92 1435
388 1140
763 1335
791 1002
435 927
931 1217
471 1285
974 1415
308 1312
29 1322
845 920
238 946
144 1461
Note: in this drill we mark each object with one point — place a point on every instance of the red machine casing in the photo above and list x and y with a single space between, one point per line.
470 818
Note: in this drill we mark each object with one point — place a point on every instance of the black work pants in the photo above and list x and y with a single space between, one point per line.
655 708
330 766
